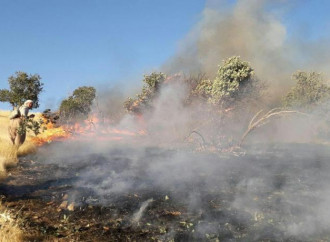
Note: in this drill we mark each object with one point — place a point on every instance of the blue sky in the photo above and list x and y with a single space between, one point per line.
71 43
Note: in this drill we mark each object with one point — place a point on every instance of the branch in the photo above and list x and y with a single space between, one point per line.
196 132
255 123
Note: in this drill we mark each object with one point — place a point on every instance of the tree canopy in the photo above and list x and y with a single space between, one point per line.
149 91
77 106
309 91
234 81
22 87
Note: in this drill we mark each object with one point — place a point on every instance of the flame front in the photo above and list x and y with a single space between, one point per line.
90 129
50 133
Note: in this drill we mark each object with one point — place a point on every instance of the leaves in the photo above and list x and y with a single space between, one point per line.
309 91
148 93
77 106
234 81
231 77
30 125
22 87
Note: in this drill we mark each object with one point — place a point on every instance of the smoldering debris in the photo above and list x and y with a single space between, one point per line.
138 214
276 192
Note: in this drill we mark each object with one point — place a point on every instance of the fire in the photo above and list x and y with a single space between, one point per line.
90 129
50 133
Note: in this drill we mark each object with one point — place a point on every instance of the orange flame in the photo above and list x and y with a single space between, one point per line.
50 134
87 130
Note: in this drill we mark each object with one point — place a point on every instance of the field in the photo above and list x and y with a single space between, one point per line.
8 153
126 191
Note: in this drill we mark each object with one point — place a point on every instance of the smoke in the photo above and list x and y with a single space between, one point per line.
254 30
273 192
278 192
137 216
109 102
257 31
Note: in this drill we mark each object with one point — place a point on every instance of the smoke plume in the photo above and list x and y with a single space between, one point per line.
256 32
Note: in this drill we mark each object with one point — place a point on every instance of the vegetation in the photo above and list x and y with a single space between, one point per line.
226 110
9 226
234 82
310 90
261 118
9 152
148 93
31 125
22 87
77 106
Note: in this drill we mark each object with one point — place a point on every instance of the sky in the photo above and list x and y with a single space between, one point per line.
104 43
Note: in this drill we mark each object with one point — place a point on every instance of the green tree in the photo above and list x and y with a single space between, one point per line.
234 81
21 88
77 106
149 91
310 90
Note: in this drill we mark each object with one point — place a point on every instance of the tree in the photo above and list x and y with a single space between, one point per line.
310 90
234 82
231 79
22 87
77 106
149 91
231 96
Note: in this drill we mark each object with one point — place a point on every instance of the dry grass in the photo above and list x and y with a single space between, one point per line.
8 152
26 148
9 226
4 121
9 222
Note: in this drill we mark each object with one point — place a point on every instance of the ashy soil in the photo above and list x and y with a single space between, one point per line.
70 192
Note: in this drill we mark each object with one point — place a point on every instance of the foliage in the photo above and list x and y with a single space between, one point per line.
233 82
77 106
21 88
310 90
230 79
32 125
204 89
233 94
128 104
149 91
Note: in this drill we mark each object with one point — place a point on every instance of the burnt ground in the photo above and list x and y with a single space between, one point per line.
273 193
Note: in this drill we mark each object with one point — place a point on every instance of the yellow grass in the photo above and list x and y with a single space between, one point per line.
9 226
9 223
8 152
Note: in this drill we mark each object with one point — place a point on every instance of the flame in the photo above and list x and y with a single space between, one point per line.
50 133
90 129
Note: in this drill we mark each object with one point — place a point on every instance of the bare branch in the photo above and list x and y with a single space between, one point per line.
255 123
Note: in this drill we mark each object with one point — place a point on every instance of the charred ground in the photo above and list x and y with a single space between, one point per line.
273 193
